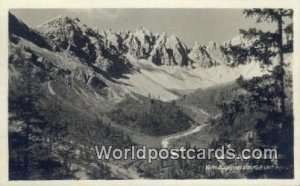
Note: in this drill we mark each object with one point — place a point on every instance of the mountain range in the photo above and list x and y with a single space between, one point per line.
106 65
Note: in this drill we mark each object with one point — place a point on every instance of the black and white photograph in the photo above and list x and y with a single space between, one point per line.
150 94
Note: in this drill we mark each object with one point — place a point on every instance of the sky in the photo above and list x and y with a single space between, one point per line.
190 25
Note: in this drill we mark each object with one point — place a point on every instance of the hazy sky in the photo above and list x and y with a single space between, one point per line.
191 25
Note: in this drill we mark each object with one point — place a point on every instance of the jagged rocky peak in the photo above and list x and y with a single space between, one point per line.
59 22
169 51
68 34
142 30
65 24
112 39
144 35
215 51
201 57
139 43
212 45
103 50
239 40
62 28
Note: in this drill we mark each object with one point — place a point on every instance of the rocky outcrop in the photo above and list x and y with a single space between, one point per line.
102 51
139 43
200 56
169 51
69 34
215 51
213 54
143 44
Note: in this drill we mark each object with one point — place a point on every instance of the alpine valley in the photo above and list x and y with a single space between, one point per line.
123 87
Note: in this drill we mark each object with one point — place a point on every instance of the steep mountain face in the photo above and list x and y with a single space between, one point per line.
215 51
210 55
169 51
143 44
200 55
215 54
111 64
139 44
67 34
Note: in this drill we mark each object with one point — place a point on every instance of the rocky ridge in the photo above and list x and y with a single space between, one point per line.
108 47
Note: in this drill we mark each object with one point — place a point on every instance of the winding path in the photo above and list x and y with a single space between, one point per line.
165 141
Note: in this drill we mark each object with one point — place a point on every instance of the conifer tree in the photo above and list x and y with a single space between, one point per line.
267 46
26 106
